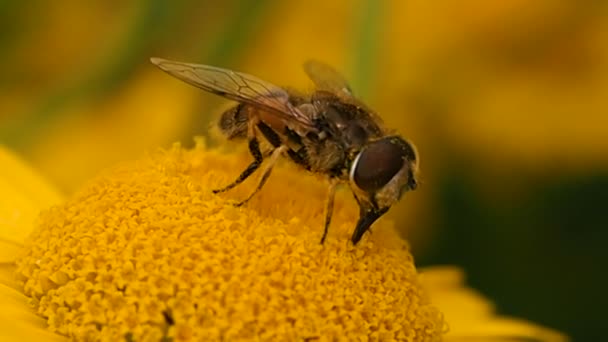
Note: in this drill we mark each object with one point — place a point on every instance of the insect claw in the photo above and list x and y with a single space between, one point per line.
239 204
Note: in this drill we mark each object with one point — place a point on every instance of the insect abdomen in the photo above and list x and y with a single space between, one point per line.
233 122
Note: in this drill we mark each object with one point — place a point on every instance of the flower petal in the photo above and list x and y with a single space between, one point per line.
502 329
7 275
8 249
471 316
18 322
23 193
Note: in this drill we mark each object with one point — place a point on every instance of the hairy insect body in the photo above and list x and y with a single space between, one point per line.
329 132
315 152
234 121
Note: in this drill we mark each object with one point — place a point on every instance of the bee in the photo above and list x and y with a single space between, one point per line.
329 132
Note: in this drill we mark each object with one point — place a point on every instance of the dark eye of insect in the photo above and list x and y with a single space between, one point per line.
378 163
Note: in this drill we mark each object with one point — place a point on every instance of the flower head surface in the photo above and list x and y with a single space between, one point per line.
147 251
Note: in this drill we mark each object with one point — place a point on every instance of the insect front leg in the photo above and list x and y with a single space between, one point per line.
330 206
267 171
254 149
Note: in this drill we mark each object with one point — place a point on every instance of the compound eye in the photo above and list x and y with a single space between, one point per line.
377 164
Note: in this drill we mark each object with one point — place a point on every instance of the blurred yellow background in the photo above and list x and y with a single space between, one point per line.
506 102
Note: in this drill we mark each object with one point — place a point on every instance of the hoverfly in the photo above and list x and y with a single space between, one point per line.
329 132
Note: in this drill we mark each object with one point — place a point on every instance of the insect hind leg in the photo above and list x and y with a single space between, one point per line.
254 149
329 209
266 174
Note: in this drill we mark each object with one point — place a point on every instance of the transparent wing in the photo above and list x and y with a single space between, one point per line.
238 87
327 78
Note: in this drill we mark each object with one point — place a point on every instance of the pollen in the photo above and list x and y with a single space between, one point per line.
146 252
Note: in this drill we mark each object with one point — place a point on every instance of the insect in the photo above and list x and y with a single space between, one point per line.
329 132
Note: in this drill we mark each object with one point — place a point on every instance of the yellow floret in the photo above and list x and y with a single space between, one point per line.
146 251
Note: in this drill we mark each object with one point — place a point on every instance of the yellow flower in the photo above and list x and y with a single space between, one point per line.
145 251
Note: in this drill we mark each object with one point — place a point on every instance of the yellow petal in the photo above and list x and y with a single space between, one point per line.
501 328
23 193
18 322
446 285
7 275
8 249
472 317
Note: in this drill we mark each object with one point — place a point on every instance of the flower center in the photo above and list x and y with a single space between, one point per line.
147 252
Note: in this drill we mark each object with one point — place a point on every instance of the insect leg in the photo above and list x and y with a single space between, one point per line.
330 206
267 170
254 148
